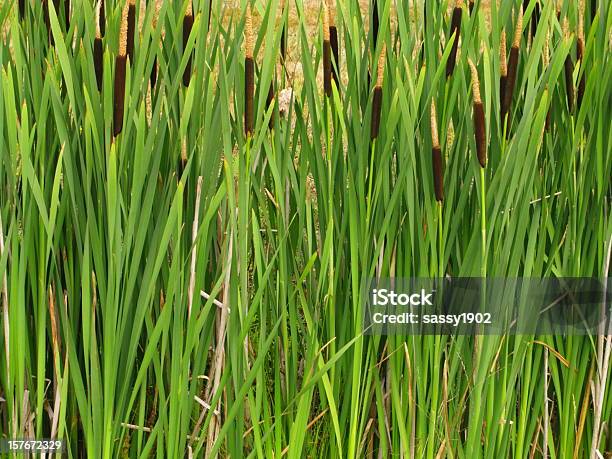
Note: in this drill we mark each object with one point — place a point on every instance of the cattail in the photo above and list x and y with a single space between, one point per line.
569 70
456 30
249 73
375 23
503 72
436 156
187 26
98 51
580 53
131 25
326 53
512 69
120 68
479 119
377 99
333 41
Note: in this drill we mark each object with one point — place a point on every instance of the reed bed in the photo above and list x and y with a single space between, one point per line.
216 309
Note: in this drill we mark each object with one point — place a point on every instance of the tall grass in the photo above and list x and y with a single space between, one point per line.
216 309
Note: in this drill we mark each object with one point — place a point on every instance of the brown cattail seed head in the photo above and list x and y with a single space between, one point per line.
480 134
98 56
475 82
456 30
436 156
248 33
518 30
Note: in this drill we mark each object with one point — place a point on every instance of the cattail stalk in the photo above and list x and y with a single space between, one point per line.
326 53
479 119
131 26
187 26
580 53
436 156
333 41
377 98
98 51
249 73
512 70
120 69
456 30
569 70
503 72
